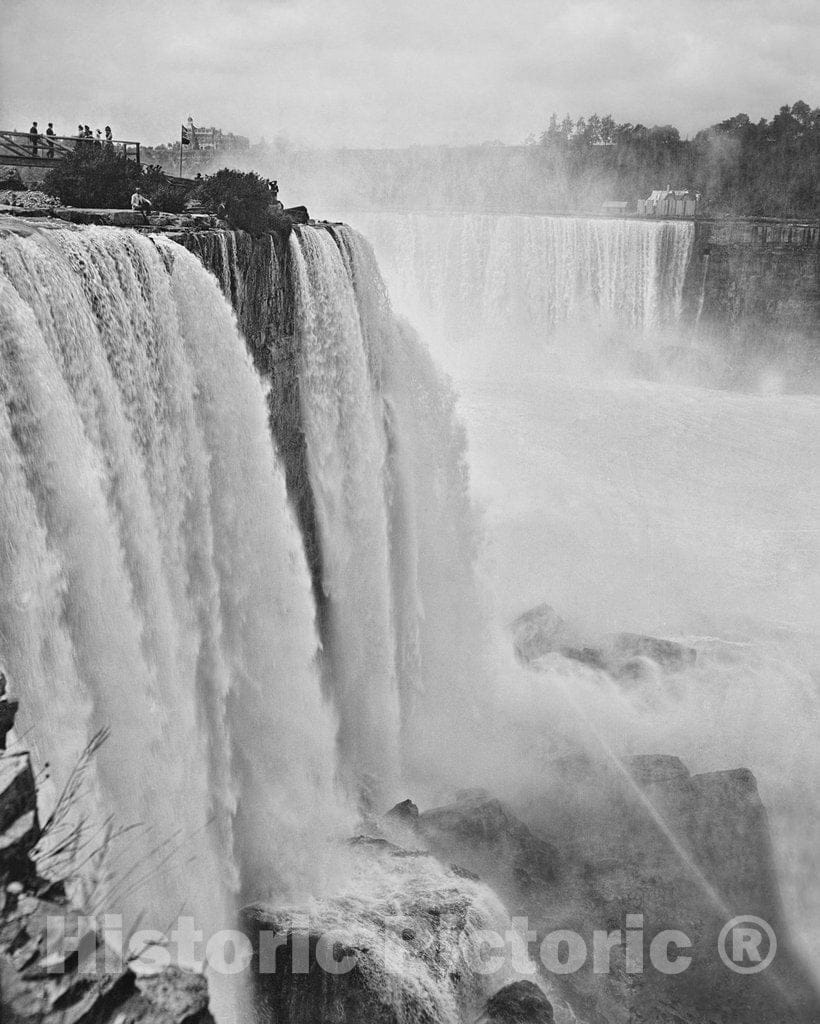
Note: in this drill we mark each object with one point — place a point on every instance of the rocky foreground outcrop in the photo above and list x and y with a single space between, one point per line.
40 984
399 942
606 845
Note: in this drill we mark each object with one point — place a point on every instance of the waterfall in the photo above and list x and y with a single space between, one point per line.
529 287
152 579
346 455
630 505
386 460
155 581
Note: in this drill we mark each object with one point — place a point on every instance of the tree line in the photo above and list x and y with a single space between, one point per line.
740 167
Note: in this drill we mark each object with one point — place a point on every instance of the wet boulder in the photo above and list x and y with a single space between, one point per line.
542 631
394 944
521 1002
404 813
483 835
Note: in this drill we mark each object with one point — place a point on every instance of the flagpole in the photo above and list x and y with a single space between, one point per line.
181 137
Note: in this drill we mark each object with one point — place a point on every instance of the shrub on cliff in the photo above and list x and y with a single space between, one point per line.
10 180
168 199
96 178
242 195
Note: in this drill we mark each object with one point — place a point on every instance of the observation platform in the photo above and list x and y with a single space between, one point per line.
18 150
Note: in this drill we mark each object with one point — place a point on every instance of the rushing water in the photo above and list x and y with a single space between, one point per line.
152 577
153 580
630 505
387 465
553 290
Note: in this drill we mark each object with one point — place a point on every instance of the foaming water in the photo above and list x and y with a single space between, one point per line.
543 291
153 581
630 505
387 465
421 928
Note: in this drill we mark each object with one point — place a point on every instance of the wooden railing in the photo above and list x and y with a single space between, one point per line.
20 149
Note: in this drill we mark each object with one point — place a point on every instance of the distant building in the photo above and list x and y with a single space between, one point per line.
613 206
212 139
670 203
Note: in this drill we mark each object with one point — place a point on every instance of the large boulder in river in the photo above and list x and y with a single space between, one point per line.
395 944
485 836
644 840
404 813
541 632
520 1002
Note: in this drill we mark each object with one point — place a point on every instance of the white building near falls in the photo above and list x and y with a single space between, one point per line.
670 203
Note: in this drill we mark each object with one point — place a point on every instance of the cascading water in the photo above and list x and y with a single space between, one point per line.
398 538
346 455
152 578
631 505
153 582
534 287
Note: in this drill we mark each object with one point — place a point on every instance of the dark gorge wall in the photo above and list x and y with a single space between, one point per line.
753 287
254 272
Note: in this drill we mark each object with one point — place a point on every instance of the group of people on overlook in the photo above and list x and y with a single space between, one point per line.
84 137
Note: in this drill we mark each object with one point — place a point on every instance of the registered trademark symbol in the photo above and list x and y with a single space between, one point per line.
747 944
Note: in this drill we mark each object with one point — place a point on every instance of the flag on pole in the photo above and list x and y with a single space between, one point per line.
186 135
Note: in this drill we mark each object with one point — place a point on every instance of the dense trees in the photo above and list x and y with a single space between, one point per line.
770 168
98 177
95 177
242 197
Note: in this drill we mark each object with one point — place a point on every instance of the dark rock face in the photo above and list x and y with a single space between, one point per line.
19 826
317 995
39 985
484 836
405 813
8 712
521 1002
397 941
683 852
255 275
542 631
757 287
297 214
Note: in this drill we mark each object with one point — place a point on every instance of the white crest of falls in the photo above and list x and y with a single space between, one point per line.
152 578
520 283
386 458
490 269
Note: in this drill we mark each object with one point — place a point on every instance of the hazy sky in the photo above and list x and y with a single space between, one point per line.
393 72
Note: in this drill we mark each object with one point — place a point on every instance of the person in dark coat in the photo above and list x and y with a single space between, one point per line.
50 135
34 137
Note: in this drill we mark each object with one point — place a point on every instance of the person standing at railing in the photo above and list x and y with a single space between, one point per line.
80 137
34 137
50 136
109 138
